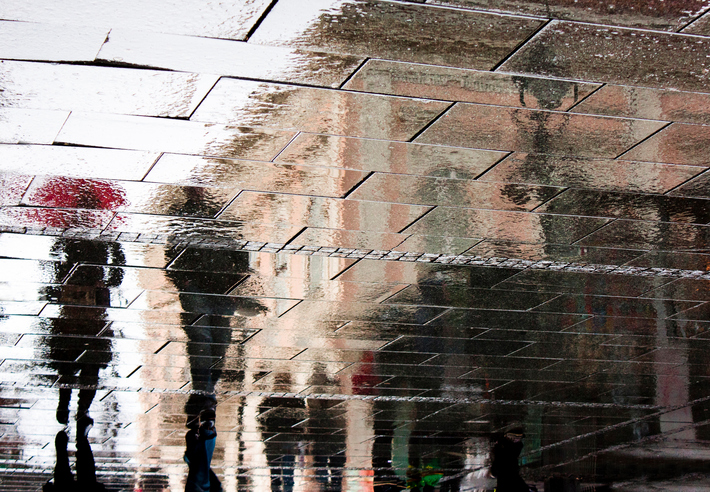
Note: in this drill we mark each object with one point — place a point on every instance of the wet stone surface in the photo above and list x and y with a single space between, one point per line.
251 104
614 55
363 244
225 57
654 104
651 15
211 19
385 156
412 33
406 79
492 127
588 173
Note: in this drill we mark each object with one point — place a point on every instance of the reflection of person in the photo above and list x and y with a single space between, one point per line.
504 466
207 342
78 322
199 447
208 333
79 194
281 415
85 466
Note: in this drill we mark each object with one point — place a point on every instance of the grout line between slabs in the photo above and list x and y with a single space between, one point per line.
551 299
414 222
285 147
688 24
563 190
585 98
155 161
520 46
227 205
343 271
357 185
259 21
394 294
434 120
490 168
295 236
64 123
291 308
574 243
706 171
203 98
357 69
643 140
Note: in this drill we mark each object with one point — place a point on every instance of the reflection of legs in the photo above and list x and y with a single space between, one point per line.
321 466
289 461
63 479
63 405
85 398
85 466
329 471
282 472
206 345
89 377
199 448
204 348
197 405
336 464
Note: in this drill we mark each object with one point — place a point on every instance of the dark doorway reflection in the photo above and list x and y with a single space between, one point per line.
504 463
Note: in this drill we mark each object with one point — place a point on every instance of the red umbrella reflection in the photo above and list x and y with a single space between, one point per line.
82 194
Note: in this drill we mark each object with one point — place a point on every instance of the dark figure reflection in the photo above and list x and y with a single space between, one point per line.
64 480
504 465
207 321
278 418
75 332
76 351
328 454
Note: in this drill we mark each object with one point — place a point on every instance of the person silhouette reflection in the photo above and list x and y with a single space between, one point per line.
504 466
85 466
75 349
208 319
74 332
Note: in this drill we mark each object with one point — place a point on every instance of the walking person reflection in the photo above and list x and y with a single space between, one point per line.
64 480
82 317
207 316
74 332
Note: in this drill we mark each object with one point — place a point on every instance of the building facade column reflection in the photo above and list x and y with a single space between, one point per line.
359 441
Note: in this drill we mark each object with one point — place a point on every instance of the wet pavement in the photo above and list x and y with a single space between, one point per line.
357 245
